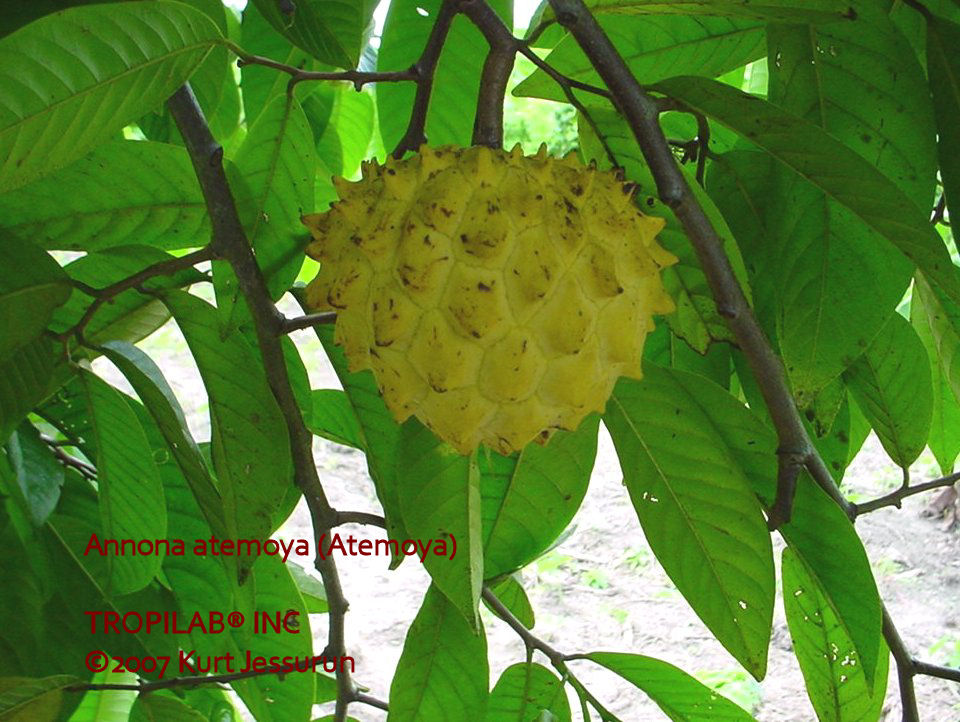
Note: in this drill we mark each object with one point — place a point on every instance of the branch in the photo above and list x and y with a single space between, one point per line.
488 125
307 321
424 70
166 267
297 75
895 498
360 517
230 242
88 471
939 211
557 659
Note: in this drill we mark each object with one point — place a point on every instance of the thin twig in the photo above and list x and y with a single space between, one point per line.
307 321
360 517
557 659
230 242
939 211
88 471
167 267
424 69
895 498
297 75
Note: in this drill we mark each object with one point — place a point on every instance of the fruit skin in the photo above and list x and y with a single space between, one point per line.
495 296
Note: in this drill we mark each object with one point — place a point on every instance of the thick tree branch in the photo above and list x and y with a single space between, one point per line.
230 243
488 125
895 498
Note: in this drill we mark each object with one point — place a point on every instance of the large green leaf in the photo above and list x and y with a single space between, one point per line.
332 31
835 679
528 692
943 68
439 492
841 173
837 281
163 705
528 499
131 495
453 101
130 315
442 673
342 120
796 10
693 496
943 315
251 451
277 164
656 47
158 398
381 433
112 707
333 418
75 78
121 193
891 384
679 695
943 441
32 285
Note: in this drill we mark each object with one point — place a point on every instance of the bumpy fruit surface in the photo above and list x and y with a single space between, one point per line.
495 296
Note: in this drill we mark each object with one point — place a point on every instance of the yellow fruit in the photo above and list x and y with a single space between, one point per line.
495 296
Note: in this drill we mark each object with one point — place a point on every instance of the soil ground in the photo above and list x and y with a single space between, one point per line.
602 589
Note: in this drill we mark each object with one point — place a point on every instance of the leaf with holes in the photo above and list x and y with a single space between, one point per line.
693 496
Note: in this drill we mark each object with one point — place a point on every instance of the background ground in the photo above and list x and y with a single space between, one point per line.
602 589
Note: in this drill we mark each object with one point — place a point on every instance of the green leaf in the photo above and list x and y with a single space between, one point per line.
342 120
332 31
891 384
277 163
692 494
453 101
796 10
251 451
334 419
511 593
162 705
834 677
442 672
32 285
943 68
381 433
93 70
439 493
39 474
130 315
131 495
943 315
311 589
26 378
840 172
528 499
656 47
526 692
943 441
679 695
158 398
112 706
37 700
123 192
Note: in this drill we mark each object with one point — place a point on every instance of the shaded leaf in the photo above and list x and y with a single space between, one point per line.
93 69
334 419
342 120
32 700
524 693
123 192
943 67
891 384
131 495
528 499
693 496
38 473
162 706
32 285
442 672
439 494
840 172
796 10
